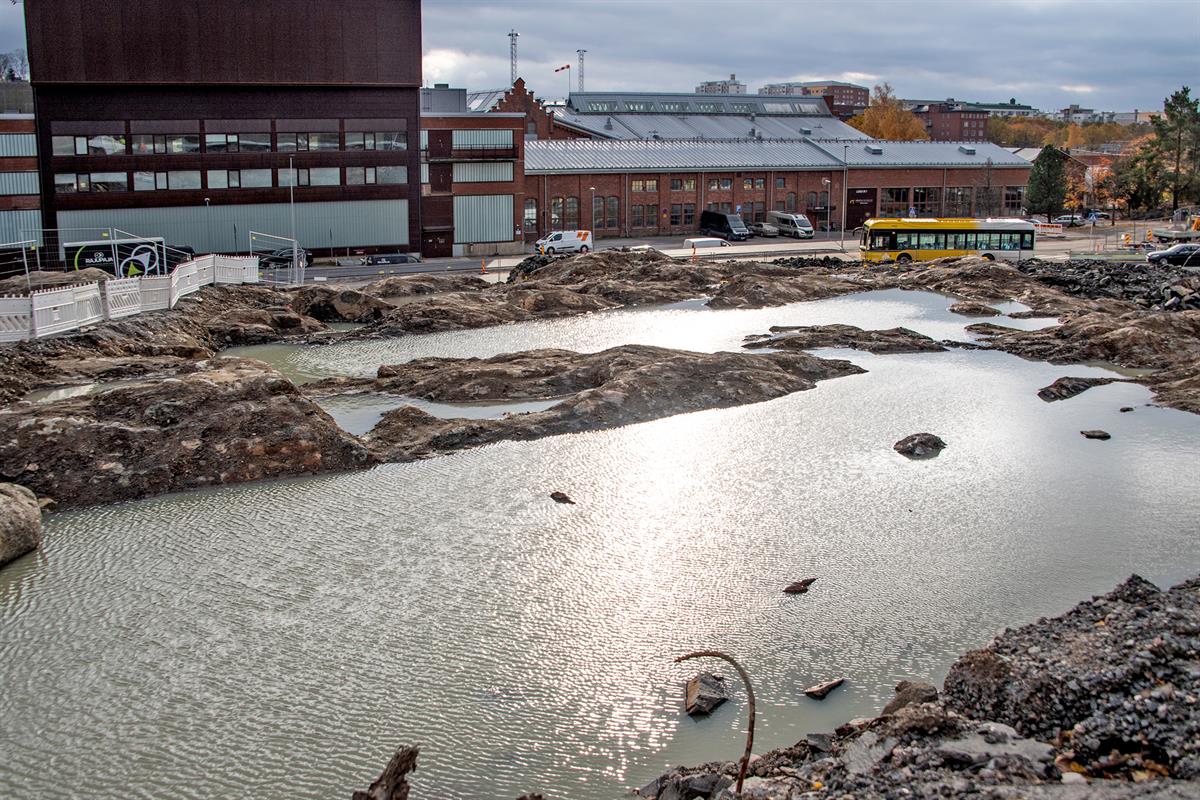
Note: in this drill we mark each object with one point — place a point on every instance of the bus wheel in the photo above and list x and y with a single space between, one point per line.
988 257
583 248
904 258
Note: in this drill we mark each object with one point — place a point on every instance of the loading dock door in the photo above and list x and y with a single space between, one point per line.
860 206
441 143
437 244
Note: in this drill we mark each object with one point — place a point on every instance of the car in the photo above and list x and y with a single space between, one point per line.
392 258
790 224
764 229
723 224
701 242
283 258
1068 220
564 242
1180 255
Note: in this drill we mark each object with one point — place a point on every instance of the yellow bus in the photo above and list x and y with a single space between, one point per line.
906 240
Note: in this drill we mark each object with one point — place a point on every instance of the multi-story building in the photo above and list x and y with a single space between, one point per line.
202 121
1010 109
20 198
950 120
844 99
731 86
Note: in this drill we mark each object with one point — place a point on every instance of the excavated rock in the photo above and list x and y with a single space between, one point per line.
1066 388
20 286
920 445
811 337
244 326
772 289
466 310
228 421
20 522
1143 284
422 284
338 304
619 386
969 309
704 692
910 693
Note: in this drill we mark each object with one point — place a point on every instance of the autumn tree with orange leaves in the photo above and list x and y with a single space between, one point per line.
887 119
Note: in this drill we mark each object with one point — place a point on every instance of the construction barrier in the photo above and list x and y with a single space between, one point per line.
122 297
16 318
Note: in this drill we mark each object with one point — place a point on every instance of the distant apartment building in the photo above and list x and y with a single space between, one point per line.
1010 109
950 120
1134 117
845 100
731 86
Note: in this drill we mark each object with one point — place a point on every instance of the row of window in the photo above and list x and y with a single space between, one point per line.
644 185
952 201
604 213
950 240
183 179
190 143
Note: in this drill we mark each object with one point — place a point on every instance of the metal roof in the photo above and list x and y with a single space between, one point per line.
484 101
679 103
613 155
619 125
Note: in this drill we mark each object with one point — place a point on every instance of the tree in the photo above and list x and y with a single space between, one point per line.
1047 187
1136 178
887 119
1177 143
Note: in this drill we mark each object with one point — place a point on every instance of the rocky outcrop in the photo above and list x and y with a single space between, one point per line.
811 337
466 310
20 522
969 309
424 284
1103 436
1068 387
1145 285
392 783
619 386
244 326
228 421
1115 679
756 290
1101 702
337 304
920 445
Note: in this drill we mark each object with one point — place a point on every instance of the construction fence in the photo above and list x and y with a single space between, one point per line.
46 312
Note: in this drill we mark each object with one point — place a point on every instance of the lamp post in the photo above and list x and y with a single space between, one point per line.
845 192
828 184
208 222
593 189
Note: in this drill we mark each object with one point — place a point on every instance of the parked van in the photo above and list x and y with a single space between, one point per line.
727 226
789 224
700 243
565 242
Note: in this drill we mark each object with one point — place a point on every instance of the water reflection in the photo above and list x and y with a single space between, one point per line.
281 639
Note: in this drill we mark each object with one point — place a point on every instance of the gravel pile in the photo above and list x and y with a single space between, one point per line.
1147 285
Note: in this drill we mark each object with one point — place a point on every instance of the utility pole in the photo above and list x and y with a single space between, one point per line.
512 55
581 52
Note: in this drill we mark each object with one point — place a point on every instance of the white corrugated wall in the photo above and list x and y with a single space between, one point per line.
483 171
18 145
477 139
18 183
483 218
19 226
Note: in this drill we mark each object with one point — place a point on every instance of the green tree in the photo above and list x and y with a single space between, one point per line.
1137 180
1176 144
1047 187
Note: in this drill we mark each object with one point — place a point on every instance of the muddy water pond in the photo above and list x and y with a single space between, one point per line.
279 640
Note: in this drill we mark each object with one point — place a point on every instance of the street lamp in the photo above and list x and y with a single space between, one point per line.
828 183
208 223
593 188
845 192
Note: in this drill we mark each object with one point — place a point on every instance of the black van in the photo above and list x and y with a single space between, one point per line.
724 225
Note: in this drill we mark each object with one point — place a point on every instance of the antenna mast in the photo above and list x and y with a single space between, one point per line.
581 52
512 55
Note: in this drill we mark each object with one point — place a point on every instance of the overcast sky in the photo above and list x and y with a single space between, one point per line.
1105 54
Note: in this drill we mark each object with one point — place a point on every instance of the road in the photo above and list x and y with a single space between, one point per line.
1080 241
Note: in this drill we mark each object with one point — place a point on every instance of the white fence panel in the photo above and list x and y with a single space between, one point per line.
89 305
156 293
122 297
53 311
184 281
237 269
206 270
16 317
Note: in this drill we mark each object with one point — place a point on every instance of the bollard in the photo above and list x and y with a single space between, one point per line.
693 254
483 266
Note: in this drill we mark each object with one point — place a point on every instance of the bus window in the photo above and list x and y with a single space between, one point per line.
906 240
1010 241
956 240
1026 241
883 240
932 240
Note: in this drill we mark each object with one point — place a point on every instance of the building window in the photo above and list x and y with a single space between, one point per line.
184 178
652 216
293 177
894 202
254 178
791 200
223 179
288 142
637 186
689 214
324 176
360 141
391 175
676 185
676 215
1014 199
66 183
780 183
530 219
824 200
760 183
612 212
324 141
636 216
726 184
221 143
391 140
556 213
958 201
597 212
651 186
571 213
747 184
779 205
713 183
925 200
98 145
360 176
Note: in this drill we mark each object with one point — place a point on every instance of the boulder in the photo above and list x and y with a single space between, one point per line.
229 421
1101 435
1066 388
561 497
338 304
910 693
423 284
821 690
919 445
20 522
392 783
704 692
243 326
974 309
800 586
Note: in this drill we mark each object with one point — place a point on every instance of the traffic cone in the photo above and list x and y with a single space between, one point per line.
483 266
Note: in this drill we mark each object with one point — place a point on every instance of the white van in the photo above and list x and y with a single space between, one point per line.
796 225
564 242
705 241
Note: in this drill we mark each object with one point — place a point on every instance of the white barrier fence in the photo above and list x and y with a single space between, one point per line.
66 308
